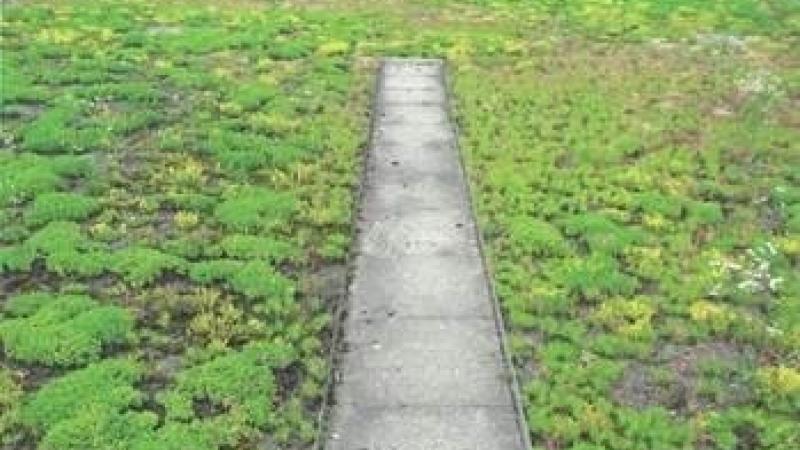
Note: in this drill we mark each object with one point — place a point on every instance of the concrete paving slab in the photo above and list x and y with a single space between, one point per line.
412 96
403 192
401 361
424 232
422 365
414 114
470 384
414 134
425 428
384 342
415 82
412 67
412 160
422 142
420 286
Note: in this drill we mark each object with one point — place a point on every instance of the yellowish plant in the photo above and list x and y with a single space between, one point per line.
10 401
273 123
297 174
333 48
655 222
628 317
218 320
717 317
186 220
101 230
58 35
190 172
790 246
779 380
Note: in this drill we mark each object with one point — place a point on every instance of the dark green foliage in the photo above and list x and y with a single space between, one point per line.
336 246
67 330
792 223
64 248
192 202
254 209
11 232
619 347
59 206
82 263
197 435
16 258
656 203
592 277
252 96
141 266
258 280
785 195
243 152
57 131
239 151
104 386
15 87
726 429
241 246
600 233
51 132
24 305
206 272
242 382
705 213
288 50
653 428
200 38
534 237
24 175
100 427
187 247
21 178
91 408
57 237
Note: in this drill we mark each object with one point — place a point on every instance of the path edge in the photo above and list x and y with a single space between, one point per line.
450 101
339 314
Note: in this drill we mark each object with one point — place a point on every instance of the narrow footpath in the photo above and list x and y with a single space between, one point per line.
423 367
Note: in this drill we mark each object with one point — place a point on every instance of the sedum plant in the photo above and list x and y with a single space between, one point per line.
255 209
63 331
60 206
140 265
103 386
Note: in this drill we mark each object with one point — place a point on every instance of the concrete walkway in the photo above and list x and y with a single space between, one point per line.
423 368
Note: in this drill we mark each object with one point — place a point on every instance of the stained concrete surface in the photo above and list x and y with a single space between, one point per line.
423 368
